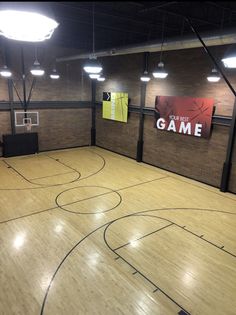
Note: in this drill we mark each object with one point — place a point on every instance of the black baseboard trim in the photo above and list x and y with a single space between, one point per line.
128 156
164 169
188 177
65 148
133 158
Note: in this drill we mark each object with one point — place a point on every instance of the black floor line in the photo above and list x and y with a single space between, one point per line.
95 196
148 210
204 188
138 271
60 264
213 244
138 239
58 161
35 178
143 164
79 178
28 215
198 236
117 255
111 191
99 170
40 186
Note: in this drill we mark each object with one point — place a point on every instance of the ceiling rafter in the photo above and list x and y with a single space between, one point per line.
128 19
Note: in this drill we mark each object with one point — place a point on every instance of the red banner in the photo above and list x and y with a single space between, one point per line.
187 115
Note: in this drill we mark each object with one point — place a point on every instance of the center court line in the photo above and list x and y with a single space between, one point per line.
56 207
106 193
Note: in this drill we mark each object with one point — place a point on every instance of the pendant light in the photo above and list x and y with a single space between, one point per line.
101 78
214 76
92 65
145 77
94 75
229 60
36 69
54 74
160 71
26 26
5 72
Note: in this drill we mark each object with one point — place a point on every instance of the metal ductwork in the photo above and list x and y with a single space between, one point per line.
172 44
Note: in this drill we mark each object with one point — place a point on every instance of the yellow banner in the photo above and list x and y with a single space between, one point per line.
115 106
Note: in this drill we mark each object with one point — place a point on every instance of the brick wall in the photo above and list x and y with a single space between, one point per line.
197 158
5 125
188 70
200 159
232 182
116 136
122 75
73 85
187 77
62 128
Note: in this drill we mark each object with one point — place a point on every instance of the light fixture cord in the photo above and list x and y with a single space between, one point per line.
222 21
35 53
93 31
162 35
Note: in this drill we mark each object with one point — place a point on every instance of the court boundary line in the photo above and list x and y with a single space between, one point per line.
40 185
142 164
106 224
49 186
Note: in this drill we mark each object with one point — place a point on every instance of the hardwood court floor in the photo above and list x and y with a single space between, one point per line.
86 231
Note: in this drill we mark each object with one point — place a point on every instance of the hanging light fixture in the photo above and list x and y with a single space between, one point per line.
229 62
54 74
145 77
160 71
92 65
229 59
101 78
94 75
36 69
214 76
5 72
26 26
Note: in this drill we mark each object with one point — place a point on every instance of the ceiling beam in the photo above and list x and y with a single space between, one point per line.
190 17
128 19
155 7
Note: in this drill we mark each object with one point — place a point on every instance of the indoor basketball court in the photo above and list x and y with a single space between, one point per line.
118 196
87 231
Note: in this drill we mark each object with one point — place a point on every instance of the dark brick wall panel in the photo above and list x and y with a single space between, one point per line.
116 136
197 158
5 125
62 128
232 182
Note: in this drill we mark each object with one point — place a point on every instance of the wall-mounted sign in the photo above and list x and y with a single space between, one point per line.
187 115
115 106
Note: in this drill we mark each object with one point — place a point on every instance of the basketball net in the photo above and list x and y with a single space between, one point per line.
28 126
